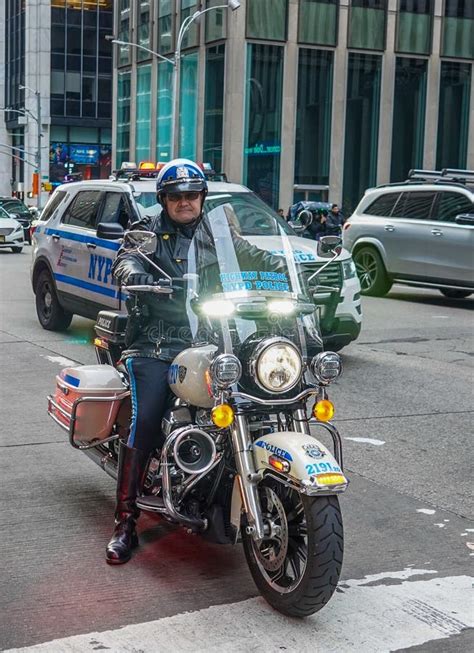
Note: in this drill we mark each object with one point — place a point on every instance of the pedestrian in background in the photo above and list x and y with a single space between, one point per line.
335 221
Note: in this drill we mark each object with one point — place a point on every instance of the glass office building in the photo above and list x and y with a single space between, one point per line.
316 99
56 50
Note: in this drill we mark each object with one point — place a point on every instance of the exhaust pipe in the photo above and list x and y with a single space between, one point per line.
104 460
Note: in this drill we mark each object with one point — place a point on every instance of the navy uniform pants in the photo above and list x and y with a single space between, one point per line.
149 392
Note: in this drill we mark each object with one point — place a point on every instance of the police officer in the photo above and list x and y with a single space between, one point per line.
155 335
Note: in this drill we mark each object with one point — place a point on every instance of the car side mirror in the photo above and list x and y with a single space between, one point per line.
329 246
465 218
109 230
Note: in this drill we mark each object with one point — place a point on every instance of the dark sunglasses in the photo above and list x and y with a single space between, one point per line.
187 197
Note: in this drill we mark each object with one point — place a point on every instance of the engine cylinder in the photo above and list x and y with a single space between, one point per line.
194 451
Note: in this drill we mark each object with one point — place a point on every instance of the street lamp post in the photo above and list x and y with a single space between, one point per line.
38 152
175 61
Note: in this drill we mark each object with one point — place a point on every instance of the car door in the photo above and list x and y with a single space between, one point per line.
115 207
410 235
452 244
374 224
82 270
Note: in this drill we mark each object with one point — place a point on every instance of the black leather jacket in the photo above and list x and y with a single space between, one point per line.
158 325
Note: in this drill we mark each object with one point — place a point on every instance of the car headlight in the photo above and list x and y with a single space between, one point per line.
326 367
277 365
349 269
225 370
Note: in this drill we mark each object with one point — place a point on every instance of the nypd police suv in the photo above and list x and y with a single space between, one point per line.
71 271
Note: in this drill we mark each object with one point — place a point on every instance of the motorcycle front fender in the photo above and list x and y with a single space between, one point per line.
300 461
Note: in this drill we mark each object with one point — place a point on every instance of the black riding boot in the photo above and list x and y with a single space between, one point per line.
132 466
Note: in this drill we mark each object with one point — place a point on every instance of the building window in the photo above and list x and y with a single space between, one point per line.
216 27
458 29
188 105
266 19
414 26
142 136
367 20
313 119
263 120
453 119
164 111
165 26
191 35
123 118
214 106
408 117
362 126
143 29
124 32
318 22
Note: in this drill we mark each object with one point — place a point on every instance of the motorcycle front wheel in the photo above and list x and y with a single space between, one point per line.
297 565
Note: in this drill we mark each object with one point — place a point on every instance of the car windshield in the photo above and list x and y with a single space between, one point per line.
255 217
15 206
4 215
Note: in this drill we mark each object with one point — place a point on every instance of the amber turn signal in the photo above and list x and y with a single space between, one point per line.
323 410
222 415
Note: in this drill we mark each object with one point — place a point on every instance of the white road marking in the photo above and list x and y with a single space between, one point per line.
378 443
378 618
470 545
469 530
426 511
440 317
61 360
440 525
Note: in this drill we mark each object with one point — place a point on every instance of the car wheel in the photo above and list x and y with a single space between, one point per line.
455 294
371 271
17 250
50 313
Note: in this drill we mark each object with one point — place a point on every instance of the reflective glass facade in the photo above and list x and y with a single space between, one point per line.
458 29
216 22
123 118
313 122
143 95
262 149
362 125
408 117
188 106
214 106
163 111
414 26
453 120
143 28
266 19
81 61
165 26
14 53
191 35
367 21
318 22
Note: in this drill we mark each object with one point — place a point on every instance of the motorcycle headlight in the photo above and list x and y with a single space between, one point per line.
277 366
225 370
326 366
349 269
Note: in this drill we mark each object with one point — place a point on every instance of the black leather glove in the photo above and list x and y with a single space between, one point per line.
139 279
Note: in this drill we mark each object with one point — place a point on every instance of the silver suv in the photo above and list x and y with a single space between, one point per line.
419 232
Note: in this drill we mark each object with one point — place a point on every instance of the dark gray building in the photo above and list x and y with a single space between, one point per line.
56 50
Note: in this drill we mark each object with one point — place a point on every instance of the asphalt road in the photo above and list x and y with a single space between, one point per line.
404 407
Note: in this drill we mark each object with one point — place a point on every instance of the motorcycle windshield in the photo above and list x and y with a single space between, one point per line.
241 285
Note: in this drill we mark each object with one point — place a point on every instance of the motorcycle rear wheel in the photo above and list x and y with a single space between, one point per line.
297 569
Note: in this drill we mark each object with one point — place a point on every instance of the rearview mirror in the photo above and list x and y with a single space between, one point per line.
329 246
145 241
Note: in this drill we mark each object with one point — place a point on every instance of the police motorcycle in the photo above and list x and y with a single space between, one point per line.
243 458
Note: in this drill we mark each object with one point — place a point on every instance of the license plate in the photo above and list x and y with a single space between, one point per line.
2 239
